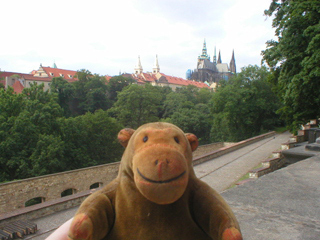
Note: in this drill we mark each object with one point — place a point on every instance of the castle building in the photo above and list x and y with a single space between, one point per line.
44 75
156 78
211 72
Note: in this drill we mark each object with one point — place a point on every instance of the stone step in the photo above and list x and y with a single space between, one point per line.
270 162
288 145
277 154
297 139
256 173
17 229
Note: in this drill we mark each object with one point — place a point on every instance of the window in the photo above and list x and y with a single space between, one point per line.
51 74
96 185
61 75
68 192
34 201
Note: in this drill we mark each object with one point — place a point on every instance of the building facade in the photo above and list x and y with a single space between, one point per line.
156 78
211 72
43 75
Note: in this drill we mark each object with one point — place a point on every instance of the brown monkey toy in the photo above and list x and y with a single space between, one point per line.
156 195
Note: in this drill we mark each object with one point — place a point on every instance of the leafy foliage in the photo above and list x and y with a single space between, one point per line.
67 128
36 139
115 85
244 107
137 105
294 59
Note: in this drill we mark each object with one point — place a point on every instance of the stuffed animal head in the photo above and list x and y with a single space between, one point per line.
158 158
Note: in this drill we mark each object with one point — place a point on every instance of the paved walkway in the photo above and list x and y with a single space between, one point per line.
219 173
282 205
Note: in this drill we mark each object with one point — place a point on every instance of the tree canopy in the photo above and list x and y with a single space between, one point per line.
137 105
36 139
294 59
244 106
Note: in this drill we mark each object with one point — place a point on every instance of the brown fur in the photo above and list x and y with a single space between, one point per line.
156 194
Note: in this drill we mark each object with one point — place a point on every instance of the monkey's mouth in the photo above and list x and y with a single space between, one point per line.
161 181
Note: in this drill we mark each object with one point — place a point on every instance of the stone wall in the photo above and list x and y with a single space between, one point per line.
204 149
13 195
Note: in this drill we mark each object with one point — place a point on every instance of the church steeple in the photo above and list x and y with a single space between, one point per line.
219 58
138 69
156 67
233 63
215 55
204 54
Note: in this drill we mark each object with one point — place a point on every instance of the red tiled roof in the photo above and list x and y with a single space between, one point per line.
57 72
184 82
17 87
33 78
9 74
138 78
149 77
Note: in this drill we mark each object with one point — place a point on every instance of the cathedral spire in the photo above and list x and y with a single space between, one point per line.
138 69
233 63
204 54
215 55
219 58
156 67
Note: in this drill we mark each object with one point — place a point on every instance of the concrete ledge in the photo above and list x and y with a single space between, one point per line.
245 181
227 149
44 209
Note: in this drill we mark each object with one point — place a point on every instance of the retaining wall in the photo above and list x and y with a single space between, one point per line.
13 195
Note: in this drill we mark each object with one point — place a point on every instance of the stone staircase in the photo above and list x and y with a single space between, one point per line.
277 160
17 229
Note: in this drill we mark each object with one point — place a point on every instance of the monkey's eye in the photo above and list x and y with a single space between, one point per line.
176 139
145 139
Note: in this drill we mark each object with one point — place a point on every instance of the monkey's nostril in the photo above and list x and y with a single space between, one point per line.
156 162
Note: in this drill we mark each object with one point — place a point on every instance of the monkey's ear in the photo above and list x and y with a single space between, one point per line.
193 140
124 136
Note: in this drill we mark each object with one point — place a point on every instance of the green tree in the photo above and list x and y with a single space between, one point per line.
196 120
89 93
65 92
137 105
244 106
116 84
23 118
1 84
90 139
294 59
191 92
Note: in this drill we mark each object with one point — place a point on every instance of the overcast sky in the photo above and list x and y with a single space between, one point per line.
107 36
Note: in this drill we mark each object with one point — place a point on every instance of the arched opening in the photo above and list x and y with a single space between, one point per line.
96 185
68 192
34 201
